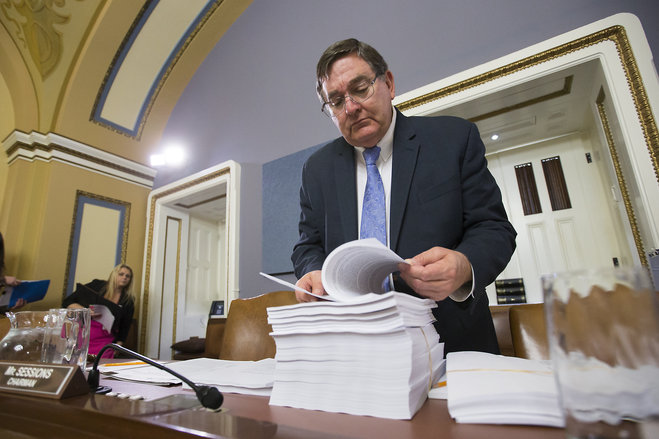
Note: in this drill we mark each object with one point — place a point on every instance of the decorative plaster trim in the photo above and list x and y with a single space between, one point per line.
225 173
53 147
135 131
613 150
123 207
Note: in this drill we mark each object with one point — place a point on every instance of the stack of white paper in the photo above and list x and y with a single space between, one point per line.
139 372
358 350
493 389
376 355
246 377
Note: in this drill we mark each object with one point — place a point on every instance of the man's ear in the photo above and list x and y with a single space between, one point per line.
389 80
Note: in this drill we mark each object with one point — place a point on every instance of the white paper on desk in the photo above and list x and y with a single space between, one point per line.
395 348
248 377
439 389
357 390
368 313
140 373
494 389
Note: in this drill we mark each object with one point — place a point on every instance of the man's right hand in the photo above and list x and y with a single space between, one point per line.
311 282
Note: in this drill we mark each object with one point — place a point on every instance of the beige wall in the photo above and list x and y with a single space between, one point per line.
37 218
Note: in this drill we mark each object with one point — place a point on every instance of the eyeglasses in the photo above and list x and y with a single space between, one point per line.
357 93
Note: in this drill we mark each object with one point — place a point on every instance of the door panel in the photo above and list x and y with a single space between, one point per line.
203 284
582 236
168 282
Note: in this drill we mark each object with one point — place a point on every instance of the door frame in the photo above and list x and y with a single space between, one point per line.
631 78
170 246
226 173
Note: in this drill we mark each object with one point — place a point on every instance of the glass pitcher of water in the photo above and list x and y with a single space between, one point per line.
66 338
25 338
59 336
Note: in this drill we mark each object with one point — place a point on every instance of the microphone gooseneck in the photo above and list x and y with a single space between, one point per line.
209 397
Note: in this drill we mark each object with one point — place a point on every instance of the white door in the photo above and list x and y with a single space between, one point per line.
204 285
168 282
582 236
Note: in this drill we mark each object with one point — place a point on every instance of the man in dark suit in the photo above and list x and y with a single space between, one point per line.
443 208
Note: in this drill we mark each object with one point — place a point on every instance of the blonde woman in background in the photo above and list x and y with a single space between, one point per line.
117 295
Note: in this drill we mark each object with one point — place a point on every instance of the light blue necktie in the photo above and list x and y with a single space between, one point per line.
374 224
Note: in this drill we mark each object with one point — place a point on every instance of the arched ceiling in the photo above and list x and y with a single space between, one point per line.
104 73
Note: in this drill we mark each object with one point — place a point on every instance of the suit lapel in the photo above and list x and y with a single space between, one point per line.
346 190
405 152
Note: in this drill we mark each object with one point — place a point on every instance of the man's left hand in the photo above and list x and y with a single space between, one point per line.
436 273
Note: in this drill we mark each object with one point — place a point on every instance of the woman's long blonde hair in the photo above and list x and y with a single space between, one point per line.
126 292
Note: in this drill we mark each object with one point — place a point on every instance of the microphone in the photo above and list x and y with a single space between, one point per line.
209 397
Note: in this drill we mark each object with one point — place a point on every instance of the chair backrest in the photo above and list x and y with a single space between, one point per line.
214 336
247 331
529 331
501 321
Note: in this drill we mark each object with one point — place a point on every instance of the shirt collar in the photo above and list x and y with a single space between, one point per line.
386 144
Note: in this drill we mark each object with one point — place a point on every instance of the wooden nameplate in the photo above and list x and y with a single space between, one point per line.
54 381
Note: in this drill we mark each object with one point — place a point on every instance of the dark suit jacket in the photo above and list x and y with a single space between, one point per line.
442 194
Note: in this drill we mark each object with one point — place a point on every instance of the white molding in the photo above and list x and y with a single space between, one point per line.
630 22
621 97
54 147
224 173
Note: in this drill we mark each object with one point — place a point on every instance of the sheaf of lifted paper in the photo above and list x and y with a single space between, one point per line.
357 268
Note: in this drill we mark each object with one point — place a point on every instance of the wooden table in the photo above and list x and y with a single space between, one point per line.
166 412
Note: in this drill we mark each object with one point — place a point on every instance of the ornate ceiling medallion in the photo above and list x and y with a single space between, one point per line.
34 29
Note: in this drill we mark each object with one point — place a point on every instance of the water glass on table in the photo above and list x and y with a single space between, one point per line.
603 329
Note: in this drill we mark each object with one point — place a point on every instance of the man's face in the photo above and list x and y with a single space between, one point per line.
366 123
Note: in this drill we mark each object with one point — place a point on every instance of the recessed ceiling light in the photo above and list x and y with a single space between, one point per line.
494 137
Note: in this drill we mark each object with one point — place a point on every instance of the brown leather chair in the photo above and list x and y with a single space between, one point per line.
247 331
214 337
501 321
529 331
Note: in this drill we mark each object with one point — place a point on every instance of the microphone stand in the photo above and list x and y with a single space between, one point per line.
209 397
